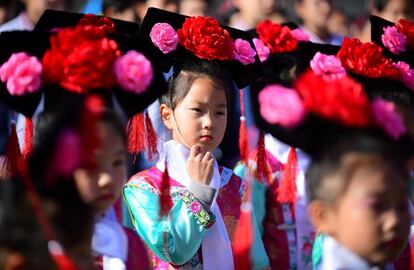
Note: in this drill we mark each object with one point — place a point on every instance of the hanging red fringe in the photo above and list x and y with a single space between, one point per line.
28 138
242 131
136 134
262 172
10 162
92 110
63 262
244 238
151 138
166 202
286 193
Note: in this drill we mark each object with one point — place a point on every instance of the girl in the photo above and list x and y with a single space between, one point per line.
197 230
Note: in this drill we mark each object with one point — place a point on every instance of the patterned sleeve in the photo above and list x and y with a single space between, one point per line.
175 238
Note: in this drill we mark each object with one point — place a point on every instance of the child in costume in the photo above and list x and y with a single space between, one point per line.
125 74
187 208
327 111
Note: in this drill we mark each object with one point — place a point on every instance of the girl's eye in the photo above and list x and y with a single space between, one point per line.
118 162
221 113
196 109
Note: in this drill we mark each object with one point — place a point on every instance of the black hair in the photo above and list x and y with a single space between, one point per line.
179 84
330 161
380 5
118 5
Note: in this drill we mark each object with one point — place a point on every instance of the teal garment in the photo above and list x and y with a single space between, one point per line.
317 251
258 196
176 238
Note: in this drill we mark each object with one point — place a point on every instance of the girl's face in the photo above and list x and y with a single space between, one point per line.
371 218
101 186
200 118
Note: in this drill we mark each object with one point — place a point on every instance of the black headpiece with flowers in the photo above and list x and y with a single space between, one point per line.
174 39
74 62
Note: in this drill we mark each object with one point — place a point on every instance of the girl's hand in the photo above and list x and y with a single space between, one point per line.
200 165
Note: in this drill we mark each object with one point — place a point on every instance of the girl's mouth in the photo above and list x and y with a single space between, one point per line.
106 197
206 138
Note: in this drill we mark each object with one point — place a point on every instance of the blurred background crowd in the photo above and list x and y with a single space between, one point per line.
327 20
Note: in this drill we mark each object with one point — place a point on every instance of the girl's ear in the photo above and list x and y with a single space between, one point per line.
166 116
322 217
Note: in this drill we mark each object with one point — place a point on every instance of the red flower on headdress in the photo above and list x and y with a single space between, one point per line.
366 59
80 58
101 24
277 37
204 37
342 100
407 28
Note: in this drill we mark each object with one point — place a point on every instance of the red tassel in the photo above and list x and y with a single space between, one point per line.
243 239
286 193
151 138
28 138
166 202
242 131
10 162
92 111
262 172
136 138
63 262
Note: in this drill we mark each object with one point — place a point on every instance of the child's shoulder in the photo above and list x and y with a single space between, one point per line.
147 180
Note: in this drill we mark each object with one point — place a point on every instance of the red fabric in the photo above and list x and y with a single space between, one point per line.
407 28
151 138
342 100
63 262
204 37
81 58
286 192
366 59
136 134
277 37
28 138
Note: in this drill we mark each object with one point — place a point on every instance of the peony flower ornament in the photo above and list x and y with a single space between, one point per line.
205 38
399 38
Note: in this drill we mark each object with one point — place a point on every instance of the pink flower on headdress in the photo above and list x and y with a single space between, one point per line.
243 52
299 34
328 66
407 74
386 116
394 40
262 50
133 72
22 73
164 37
280 105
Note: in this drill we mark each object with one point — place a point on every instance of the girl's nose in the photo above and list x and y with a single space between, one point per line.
105 179
207 122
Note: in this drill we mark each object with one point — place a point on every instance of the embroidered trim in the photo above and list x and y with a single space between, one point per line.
142 183
204 218
167 255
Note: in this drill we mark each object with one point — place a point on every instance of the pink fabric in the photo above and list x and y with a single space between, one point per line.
133 71
328 66
164 37
280 105
393 40
22 73
386 116
262 50
243 52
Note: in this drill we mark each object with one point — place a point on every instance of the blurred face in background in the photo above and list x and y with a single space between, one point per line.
193 7
253 11
314 13
338 23
396 9
35 8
